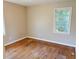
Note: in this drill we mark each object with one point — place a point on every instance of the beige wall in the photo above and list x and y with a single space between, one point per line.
40 23
15 22
36 21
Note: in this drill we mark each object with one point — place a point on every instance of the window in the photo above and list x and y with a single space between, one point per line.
62 19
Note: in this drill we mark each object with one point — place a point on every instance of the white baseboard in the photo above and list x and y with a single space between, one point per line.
14 41
39 39
51 41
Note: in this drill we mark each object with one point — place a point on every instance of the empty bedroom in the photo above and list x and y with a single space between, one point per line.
39 29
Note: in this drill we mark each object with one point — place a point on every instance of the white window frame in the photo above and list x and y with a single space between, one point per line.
54 21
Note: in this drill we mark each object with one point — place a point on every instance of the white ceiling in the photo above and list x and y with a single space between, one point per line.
33 2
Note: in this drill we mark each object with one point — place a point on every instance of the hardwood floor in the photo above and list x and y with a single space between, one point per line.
34 49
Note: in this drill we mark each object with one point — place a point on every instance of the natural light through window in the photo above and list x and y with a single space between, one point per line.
62 20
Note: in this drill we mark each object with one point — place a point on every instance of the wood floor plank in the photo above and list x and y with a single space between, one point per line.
34 49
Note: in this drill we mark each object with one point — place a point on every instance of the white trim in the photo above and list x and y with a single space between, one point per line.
51 41
39 39
14 41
